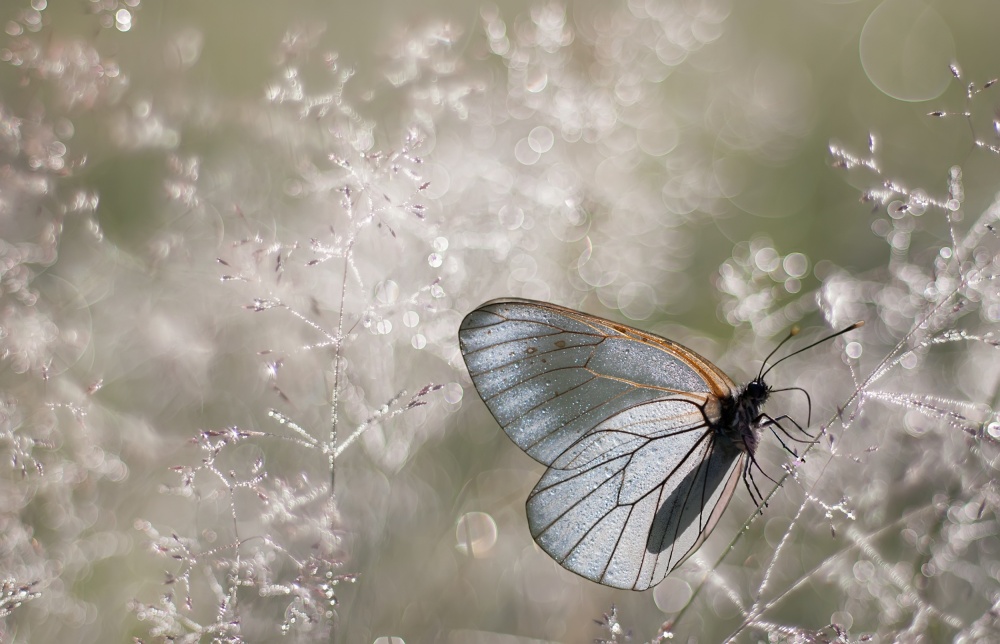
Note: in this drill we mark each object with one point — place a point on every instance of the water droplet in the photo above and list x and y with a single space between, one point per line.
386 292
123 20
524 154
536 81
411 319
993 429
541 139
511 217
795 264
863 571
435 260
440 244
475 534
767 259
419 341
453 393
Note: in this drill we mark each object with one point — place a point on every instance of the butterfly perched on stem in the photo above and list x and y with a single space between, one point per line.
645 440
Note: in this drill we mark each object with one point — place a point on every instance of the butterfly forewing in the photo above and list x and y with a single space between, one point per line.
637 476
549 375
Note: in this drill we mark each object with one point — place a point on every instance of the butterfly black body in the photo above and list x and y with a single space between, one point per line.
740 416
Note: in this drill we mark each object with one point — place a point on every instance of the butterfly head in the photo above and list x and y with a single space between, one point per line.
755 393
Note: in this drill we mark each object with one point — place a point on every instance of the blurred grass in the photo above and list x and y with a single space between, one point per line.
199 369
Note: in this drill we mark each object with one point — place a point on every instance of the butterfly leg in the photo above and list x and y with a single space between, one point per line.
755 492
776 422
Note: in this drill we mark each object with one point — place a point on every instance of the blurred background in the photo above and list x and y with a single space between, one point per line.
237 240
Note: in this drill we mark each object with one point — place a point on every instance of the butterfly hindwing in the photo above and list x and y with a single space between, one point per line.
631 500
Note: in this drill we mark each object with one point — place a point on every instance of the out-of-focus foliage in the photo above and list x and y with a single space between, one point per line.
236 245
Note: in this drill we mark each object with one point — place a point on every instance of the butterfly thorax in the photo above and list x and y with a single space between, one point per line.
740 415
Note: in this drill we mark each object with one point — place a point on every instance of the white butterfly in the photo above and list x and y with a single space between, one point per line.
645 440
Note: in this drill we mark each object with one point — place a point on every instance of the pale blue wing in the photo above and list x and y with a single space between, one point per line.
637 476
550 375
632 500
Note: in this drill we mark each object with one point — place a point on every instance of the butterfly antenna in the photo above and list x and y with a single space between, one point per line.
791 334
858 324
